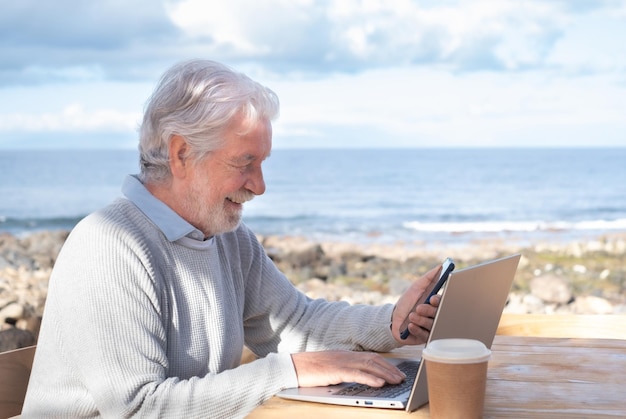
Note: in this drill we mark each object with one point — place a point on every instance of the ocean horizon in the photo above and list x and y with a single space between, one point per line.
449 196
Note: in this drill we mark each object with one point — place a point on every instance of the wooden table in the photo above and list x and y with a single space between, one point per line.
529 377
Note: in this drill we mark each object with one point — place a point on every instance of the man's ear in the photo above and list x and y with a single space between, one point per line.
178 149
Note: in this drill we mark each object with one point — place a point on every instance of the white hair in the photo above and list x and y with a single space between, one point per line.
198 100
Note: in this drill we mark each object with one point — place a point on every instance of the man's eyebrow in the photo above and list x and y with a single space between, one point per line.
243 158
246 158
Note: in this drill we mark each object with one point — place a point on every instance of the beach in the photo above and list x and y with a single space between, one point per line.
580 276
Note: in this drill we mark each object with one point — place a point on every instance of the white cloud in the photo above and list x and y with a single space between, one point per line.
216 21
111 40
72 118
374 72
593 43
73 73
422 107
347 35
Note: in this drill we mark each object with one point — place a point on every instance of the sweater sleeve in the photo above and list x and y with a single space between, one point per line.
278 317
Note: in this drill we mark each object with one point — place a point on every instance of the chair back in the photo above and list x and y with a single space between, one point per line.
15 367
601 326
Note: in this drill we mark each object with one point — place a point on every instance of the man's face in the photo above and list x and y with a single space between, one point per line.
228 177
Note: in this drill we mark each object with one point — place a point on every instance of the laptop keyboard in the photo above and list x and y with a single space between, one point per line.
388 390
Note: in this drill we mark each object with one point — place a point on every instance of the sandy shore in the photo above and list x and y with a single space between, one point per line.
575 277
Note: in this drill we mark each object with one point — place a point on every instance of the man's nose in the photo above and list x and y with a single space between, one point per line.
256 182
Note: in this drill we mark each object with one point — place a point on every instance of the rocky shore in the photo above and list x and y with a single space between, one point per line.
578 277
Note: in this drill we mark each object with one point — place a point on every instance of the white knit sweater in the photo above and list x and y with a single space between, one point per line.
137 325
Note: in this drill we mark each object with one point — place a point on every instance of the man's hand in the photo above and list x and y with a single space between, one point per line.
421 319
334 367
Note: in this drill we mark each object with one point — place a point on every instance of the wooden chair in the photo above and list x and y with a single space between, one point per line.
15 367
603 326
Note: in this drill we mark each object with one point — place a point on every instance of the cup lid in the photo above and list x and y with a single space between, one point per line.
456 351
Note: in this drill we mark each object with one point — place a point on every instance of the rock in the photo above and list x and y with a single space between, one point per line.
32 324
524 304
14 338
591 305
551 288
300 259
533 304
35 251
44 247
514 304
11 311
619 309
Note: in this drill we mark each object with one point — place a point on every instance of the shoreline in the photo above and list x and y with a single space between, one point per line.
581 277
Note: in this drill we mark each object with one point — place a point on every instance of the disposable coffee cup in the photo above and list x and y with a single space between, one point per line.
456 371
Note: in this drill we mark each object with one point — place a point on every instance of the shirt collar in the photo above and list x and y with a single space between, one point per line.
167 220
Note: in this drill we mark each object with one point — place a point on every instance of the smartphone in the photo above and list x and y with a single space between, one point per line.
446 268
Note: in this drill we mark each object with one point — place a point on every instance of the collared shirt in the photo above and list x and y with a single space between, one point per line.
173 226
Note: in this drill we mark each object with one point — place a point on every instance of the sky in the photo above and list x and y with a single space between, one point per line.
349 73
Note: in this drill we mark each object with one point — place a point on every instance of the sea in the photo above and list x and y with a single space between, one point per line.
414 196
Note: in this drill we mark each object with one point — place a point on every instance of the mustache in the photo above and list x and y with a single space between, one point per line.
242 197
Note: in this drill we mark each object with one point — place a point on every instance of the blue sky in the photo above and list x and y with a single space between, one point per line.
371 73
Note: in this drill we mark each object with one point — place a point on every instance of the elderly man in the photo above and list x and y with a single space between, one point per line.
153 297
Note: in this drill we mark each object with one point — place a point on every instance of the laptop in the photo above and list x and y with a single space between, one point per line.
471 305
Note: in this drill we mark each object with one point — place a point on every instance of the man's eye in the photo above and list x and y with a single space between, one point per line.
242 168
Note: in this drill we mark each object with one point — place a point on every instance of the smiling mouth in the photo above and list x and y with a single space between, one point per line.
239 199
